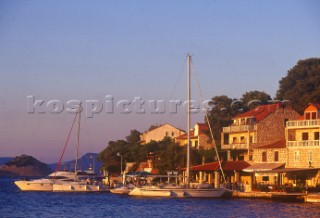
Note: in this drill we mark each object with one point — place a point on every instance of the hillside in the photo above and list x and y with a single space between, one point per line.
24 165
86 162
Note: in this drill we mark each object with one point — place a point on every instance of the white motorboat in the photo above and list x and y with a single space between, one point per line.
44 184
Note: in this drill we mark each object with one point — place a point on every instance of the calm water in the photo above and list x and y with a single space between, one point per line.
14 203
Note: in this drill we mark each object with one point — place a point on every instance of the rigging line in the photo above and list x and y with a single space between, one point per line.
175 85
65 146
207 119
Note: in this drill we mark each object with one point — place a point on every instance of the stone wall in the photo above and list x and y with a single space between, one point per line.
272 128
257 155
303 161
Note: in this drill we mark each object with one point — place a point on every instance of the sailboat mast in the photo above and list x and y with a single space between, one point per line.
78 141
188 118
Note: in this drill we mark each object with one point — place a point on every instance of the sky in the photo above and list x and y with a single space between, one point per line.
107 54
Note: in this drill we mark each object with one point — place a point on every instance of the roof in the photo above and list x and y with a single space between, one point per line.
270 145
226 165
203 127
235 165
206 167
260 112
185 136
162 126
263 167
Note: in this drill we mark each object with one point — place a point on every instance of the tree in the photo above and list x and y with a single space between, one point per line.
302 84
255 98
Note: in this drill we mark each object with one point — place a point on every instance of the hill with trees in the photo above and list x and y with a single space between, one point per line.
302 84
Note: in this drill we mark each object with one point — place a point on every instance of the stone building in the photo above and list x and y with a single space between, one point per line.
260 126
303 147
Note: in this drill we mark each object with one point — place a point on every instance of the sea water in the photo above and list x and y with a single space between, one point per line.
15 203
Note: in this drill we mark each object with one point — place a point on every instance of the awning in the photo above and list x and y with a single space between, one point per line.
289 170
263 167
226 165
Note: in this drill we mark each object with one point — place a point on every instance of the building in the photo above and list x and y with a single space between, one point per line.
303 147
198 137
260 126
160 133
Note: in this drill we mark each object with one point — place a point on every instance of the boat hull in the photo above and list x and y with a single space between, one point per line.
75 187
181 193
150 192
206 193
40 185
120 191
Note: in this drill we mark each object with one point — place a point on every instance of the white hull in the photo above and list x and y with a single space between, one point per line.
205 193
180 193
121 190
78 187
35 185
45 184
150 192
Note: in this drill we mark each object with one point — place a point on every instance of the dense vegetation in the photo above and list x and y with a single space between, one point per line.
302 84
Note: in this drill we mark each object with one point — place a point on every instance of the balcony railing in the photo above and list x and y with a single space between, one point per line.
238 128
303 143
303 123
234 146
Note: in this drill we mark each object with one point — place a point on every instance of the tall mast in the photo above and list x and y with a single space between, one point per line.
188 118
78 141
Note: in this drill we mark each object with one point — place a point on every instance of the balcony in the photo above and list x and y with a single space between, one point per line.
303 144
303 123
239 146
238 128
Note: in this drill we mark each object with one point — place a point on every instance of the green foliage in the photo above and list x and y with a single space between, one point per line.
170 154
302 84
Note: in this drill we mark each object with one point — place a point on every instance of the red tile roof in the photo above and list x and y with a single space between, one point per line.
203 127
206 167
270 145
260 112
226 165
235 165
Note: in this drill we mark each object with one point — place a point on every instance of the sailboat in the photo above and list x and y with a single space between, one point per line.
185 192
46 184
76 184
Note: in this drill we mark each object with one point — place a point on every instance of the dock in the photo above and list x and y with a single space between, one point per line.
280 196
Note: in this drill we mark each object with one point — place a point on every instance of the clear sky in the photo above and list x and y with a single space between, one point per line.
86 50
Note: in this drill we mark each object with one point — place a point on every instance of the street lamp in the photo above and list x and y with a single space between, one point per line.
119 155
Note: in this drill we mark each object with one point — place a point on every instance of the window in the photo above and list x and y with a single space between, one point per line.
242 140
305 136
264 156
291 135
296 156
307 116
251 139
316 136
226 139
166 134
172 134
265 178
234 140
314 115
276 156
